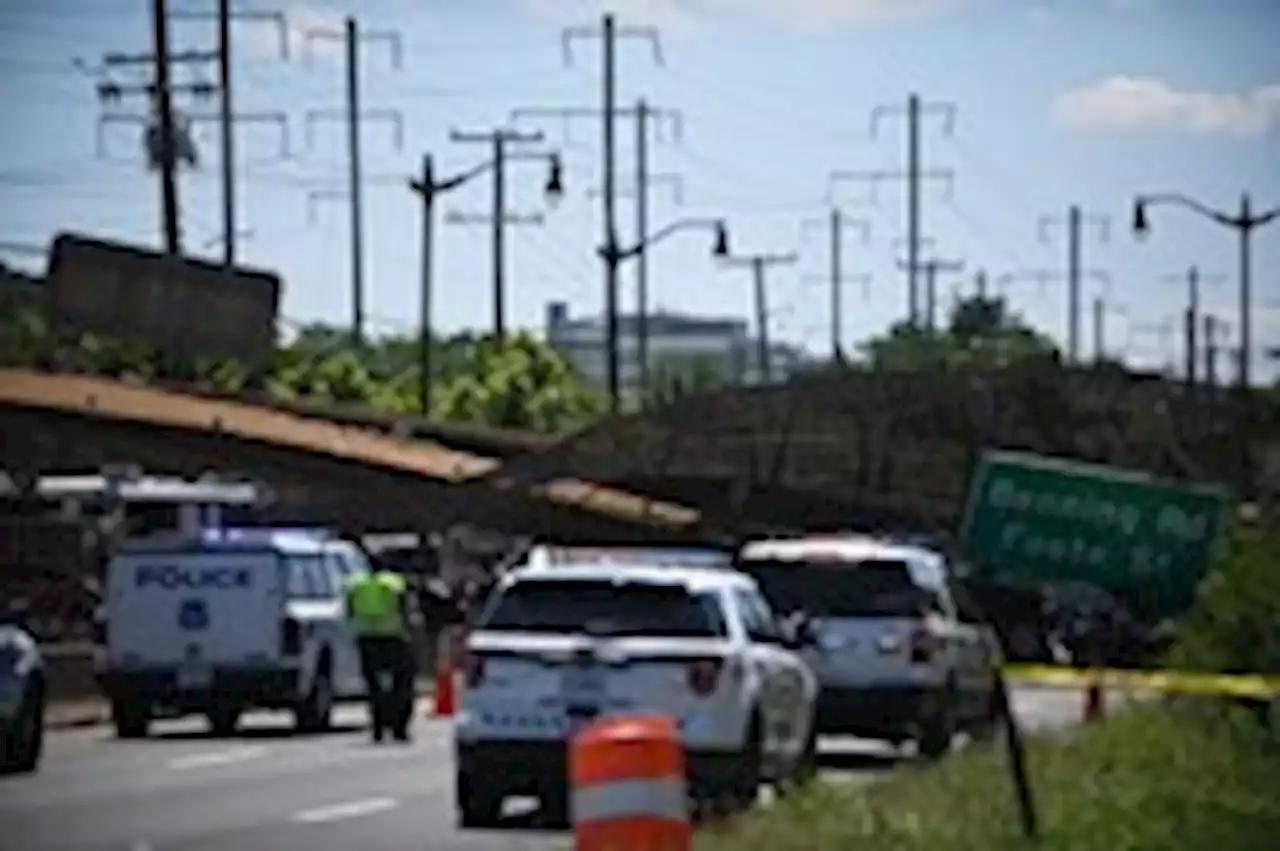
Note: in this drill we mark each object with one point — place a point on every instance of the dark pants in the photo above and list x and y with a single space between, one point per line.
390 704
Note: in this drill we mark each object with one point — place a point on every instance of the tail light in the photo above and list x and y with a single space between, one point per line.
925 644
473 669
703 675
290 638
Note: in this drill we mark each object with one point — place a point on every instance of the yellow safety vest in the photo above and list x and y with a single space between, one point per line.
374 604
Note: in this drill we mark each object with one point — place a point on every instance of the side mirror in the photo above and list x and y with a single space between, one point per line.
799 633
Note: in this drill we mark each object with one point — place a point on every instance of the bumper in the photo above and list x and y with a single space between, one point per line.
264 687
894 712
541 768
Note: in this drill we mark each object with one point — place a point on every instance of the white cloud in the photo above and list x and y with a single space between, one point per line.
796 14
300 18
1124 103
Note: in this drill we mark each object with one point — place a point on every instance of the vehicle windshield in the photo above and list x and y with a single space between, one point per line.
599 607
840 589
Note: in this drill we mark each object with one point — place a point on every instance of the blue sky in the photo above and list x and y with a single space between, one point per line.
1079 101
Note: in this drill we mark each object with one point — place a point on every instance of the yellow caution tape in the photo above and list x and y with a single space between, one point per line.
1173 682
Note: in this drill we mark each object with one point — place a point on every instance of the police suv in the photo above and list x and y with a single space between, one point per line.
553 649
893 656
22 698
225 620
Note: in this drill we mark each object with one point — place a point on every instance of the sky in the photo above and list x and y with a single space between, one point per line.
1081 102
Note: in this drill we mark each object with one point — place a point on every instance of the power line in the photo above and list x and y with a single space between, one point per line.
353 115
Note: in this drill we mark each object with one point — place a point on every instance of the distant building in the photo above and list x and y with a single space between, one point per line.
677 342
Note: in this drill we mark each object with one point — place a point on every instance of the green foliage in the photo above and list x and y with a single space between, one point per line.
1235 624
521 383
980 333
1149 779
673 379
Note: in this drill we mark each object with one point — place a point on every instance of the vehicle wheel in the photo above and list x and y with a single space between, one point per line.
26 740
554 808
938 731
315 714
223 719
805 770
476 808
131 718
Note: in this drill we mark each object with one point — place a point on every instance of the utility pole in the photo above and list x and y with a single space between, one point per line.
224 16
1212 325
758 264
497 224
659 120
609 34
1076 219
498 139
164 118
980 284
181 148
913 175
1244 224
1191 319
931 268
428 187
1099 329
648 180
353 115
837 223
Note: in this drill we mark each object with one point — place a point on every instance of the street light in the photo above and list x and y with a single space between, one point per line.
428 188
613 255
1243 223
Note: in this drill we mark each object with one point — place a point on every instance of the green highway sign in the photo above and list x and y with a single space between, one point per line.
1045 520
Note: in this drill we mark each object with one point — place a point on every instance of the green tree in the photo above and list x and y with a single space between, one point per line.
521 383
980 332
676 378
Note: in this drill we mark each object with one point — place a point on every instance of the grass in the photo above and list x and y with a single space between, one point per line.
1151 779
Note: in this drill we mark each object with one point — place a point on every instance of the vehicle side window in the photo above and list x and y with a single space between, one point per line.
308 579
757 618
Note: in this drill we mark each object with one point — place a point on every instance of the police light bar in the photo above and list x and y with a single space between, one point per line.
244 534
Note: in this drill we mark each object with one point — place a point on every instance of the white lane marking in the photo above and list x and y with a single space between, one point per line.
207 760
350 809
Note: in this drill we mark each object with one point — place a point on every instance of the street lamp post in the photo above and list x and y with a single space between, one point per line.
1244 223
613 255
428 187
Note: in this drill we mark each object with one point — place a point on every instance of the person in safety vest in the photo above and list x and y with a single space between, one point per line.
379 611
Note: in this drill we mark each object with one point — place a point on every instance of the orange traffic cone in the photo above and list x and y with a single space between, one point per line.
446 675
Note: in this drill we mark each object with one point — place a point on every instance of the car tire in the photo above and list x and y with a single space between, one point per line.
25 741
805 770
224 719
476 808
315 713
937 732
131 718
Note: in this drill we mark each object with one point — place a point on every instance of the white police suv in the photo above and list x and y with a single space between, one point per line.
553 649
22 698
225 620
894 659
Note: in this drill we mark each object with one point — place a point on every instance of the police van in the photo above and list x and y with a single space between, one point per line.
895 657
225 620
554 648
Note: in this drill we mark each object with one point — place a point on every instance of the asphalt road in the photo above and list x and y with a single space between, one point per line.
265 789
